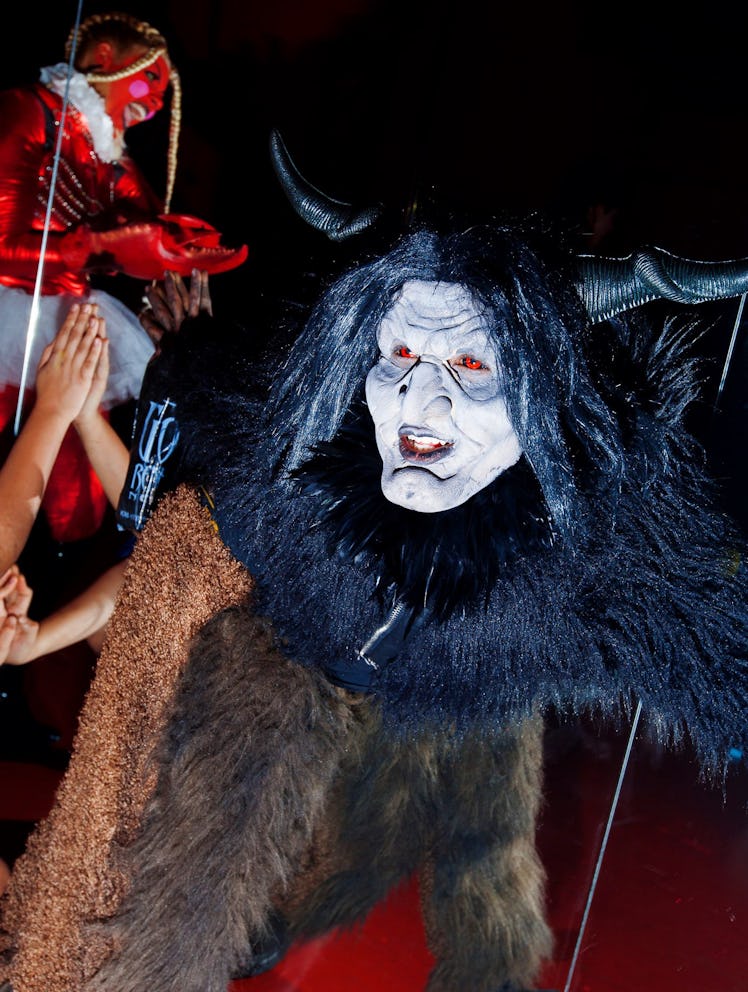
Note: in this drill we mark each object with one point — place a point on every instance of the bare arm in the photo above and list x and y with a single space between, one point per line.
169 304
84 618
105 450
24 478
64 378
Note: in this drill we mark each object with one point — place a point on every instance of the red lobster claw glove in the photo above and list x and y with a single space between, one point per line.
176 242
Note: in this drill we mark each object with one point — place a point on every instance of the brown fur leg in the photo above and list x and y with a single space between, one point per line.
252 747
327 853
483 890
178 576
377 827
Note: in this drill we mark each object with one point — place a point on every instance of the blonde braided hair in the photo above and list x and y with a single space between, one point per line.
147 35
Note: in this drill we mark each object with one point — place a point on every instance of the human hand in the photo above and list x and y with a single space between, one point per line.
17 632
68 364
92 401
169 302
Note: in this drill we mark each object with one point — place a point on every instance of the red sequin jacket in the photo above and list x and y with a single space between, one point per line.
88 190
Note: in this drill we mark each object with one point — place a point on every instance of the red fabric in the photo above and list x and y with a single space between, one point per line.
74 503
87 190
176 242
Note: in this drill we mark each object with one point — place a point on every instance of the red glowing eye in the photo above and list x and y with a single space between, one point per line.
404 352
471 363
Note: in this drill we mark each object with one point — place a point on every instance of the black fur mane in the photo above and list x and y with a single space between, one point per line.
595 573
446 561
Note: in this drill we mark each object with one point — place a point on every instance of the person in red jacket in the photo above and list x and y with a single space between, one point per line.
66 133
75 205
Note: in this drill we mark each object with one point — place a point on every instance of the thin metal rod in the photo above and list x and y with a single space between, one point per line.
603 846
34 311
730 349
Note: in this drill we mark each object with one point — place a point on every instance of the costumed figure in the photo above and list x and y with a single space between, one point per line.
67 131
464 497
74 206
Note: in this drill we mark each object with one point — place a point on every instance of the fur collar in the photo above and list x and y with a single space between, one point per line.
444 561
644 606
89 103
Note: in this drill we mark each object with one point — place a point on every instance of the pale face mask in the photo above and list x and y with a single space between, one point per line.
436 399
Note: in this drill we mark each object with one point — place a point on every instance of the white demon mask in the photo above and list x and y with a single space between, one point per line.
437 401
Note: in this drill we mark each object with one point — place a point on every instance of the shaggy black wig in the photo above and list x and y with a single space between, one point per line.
595 572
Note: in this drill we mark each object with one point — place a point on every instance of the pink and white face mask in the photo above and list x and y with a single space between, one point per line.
436 398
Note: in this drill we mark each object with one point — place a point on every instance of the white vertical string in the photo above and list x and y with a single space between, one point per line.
624 765
34 311
730 349
603 846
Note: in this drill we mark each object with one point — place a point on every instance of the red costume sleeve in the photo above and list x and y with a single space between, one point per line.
87 190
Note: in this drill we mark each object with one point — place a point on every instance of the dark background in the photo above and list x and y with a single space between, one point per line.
531 104
639 107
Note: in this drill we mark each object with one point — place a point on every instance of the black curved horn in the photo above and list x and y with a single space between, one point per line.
336 219
609 286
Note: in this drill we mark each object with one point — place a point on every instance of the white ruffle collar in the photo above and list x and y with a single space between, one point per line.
85 99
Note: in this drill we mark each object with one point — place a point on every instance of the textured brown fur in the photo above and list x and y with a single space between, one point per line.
218 782
254 742
276 790
179 575
463 813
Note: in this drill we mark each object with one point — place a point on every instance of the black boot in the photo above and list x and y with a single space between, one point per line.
266 952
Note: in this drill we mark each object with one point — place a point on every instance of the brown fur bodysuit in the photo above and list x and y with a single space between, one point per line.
221 781
275 791
68 876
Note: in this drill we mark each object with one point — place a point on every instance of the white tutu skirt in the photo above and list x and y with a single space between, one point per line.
130 348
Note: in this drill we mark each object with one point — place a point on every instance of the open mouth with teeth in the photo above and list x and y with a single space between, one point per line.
134 113
423 449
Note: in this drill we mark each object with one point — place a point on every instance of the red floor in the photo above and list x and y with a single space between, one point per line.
670 910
